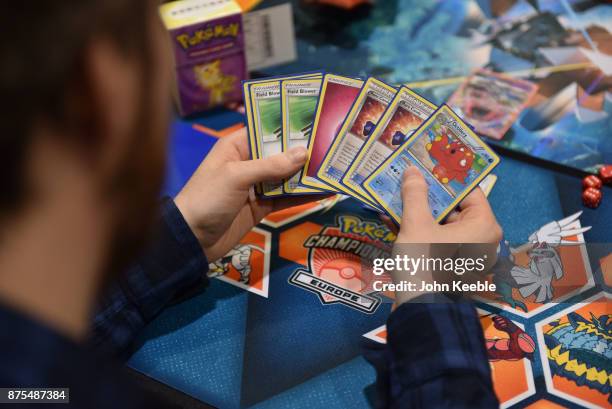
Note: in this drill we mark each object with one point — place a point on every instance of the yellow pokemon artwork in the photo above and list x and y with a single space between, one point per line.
210 78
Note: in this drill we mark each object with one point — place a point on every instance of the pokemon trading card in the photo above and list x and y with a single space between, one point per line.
267 125
406 112
487 184
361 120
255 144
491 102
336 99
248 113
451 157
298 104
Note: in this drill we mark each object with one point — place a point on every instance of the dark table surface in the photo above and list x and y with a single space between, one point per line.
232 348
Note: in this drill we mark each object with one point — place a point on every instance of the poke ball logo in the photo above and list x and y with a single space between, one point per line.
341 272
340 269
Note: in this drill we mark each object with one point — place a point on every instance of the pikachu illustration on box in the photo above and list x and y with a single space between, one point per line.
211 79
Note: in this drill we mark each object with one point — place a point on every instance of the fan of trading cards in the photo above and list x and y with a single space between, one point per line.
361 136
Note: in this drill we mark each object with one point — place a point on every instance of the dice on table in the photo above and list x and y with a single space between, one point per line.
605 173
591 181
591 197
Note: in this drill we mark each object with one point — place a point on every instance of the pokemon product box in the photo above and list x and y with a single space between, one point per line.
208 47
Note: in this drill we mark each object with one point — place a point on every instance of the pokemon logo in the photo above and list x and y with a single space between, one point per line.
348 236
339 262
206 34
369 229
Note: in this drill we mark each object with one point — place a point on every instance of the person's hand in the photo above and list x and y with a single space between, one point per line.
473 223
218 203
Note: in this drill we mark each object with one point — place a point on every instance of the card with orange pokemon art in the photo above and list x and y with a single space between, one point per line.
448 153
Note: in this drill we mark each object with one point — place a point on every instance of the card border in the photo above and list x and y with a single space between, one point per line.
246 96
285 141
255 133
416 133
491 186
372 137
305 178
343 130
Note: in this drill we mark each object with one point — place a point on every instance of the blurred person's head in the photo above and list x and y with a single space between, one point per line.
84 88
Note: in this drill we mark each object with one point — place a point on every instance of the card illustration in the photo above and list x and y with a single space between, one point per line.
337 96
491 102
450 156
406 112
367 110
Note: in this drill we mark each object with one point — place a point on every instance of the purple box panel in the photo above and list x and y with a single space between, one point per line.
210 63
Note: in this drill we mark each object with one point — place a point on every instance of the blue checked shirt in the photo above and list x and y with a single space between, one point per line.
34 355
172 264
434 358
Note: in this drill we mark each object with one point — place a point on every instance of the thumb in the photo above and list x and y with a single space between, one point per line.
414 198
271 169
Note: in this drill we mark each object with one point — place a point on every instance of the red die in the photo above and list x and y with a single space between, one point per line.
591 197
605 173
591 181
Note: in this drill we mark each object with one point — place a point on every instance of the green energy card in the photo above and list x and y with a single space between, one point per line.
299 101
271 125
267 126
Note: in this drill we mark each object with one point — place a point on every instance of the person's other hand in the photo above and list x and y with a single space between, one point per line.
419 232
217 203
474 223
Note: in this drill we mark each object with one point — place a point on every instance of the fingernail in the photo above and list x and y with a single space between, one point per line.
411 171
298 154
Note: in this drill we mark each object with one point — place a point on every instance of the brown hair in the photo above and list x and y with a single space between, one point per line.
41 54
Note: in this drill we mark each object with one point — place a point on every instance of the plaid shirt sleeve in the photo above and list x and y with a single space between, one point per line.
435 357
172 263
